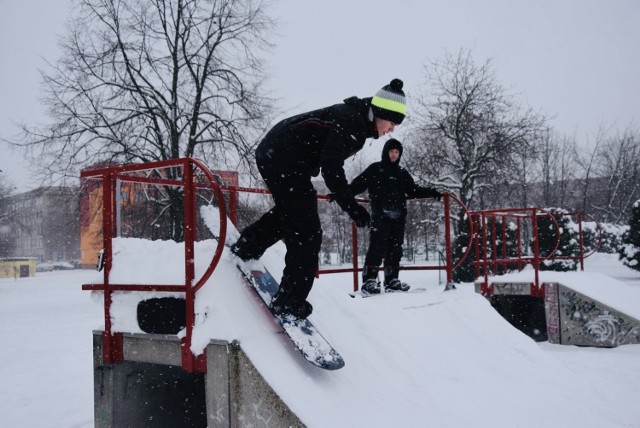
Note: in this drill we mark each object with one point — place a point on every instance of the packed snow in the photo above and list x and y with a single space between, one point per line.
443 359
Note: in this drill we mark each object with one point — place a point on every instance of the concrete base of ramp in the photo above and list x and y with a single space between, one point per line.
526 313
574 318
150 388
570 317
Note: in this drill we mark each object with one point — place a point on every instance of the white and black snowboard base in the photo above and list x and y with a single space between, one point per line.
303 334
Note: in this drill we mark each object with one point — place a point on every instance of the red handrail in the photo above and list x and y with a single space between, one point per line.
112 341
449 265
535 260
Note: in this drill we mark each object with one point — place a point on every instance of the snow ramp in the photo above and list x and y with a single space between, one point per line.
442 359
408 357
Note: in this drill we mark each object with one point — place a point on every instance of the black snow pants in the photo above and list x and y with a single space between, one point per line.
295 219
385 242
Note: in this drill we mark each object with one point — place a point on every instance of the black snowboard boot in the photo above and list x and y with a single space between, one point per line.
391 281
370 283
284 303
297 311
245 250
396 285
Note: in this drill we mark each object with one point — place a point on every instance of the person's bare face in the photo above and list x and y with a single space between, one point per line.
394 154
384 126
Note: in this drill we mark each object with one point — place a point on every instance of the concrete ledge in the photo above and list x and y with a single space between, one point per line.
152 348
574 318
497 288
150 385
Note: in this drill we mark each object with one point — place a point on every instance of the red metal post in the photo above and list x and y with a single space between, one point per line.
233 206
485 265
111 342
581 242
447 238
505 265
494 245
518 234
536 253
190 362
475 230
188 359
354 256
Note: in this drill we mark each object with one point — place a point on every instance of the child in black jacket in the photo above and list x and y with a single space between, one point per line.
389 185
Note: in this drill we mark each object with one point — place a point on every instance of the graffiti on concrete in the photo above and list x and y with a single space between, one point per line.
552 312
606 329
512 288
587 322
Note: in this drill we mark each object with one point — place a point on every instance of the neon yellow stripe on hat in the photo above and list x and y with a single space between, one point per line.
388 104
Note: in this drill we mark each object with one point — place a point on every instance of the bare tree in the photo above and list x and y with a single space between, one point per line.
469 129
515 188
468 132
153 80
7 235
587 160
557 163
619 171
149 80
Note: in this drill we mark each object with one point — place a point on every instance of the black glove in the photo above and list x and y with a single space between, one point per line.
348 203
427 192
360 216
344 198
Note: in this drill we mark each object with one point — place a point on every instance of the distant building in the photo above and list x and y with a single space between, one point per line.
43 223
140 211
17 267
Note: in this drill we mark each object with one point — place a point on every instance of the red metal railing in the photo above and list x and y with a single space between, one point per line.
487 219
449 266
112 341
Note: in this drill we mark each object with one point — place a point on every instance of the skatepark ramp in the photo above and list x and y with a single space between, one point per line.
408 355
577 308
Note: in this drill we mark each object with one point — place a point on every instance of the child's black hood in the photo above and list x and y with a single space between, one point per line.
391 143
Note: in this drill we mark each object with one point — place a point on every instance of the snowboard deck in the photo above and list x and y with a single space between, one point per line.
303 334
364 294
305 337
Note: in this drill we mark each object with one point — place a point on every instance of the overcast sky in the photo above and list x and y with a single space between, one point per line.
577 60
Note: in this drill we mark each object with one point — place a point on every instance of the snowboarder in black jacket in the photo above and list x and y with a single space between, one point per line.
389 184
292 152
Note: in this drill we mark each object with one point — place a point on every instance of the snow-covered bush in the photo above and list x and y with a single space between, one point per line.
610 240
569 241
629 252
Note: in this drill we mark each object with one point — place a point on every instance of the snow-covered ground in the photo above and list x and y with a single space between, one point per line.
443 359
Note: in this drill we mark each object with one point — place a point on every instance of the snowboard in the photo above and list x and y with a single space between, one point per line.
364 294
303 334
305 337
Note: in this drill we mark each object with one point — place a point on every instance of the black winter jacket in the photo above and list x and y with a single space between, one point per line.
319 141
389 185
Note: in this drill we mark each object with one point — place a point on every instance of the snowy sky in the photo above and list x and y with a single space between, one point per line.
575 59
